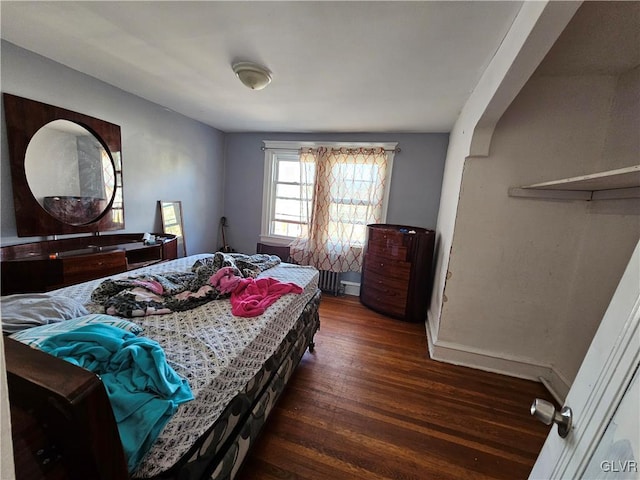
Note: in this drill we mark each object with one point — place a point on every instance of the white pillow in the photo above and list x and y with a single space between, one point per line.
34 337
28 310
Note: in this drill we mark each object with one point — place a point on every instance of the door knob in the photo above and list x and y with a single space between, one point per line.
547 414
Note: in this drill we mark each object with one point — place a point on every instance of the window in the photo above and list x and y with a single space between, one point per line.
288 192
348 179
350 200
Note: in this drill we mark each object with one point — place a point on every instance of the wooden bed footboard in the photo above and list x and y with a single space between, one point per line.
62 422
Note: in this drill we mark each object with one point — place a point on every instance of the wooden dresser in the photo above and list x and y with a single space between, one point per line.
396 273
51 264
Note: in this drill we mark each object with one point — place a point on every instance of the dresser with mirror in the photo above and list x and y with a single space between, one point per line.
66 176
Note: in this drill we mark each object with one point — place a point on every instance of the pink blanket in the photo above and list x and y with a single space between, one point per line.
252 296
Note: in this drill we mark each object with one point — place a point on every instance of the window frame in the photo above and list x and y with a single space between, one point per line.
274 148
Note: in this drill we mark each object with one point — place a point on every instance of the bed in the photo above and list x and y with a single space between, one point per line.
236 368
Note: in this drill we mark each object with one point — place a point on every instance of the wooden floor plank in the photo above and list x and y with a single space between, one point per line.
369 403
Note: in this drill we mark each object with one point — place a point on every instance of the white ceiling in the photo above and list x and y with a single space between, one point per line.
337 66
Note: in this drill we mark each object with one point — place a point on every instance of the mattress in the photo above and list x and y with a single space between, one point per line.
223 357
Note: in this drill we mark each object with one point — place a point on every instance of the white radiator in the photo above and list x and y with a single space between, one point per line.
329 282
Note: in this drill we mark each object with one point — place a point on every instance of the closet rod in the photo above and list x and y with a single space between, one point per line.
263 148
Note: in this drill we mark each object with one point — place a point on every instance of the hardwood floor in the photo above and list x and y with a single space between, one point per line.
370 404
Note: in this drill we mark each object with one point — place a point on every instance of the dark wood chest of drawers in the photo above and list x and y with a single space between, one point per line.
396 273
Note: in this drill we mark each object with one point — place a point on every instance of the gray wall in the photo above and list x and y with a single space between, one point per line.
166 156
415 183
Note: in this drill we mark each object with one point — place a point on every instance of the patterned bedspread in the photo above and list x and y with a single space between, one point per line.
154 293
217 352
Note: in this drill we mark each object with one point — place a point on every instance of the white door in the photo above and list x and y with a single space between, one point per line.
606 380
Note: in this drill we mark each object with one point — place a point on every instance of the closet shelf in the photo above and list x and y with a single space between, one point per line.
612 184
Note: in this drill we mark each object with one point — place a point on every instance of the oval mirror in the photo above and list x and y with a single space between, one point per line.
69 172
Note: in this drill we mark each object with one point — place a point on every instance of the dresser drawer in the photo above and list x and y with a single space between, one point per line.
385 237
390 303
385 285
87 267
386 267
389 250
376 279
388 243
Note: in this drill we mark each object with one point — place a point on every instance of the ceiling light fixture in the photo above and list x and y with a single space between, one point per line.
254 76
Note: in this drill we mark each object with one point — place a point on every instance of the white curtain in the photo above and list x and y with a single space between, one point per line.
348 194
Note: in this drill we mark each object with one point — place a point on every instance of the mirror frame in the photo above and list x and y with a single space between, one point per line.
23 119
166 224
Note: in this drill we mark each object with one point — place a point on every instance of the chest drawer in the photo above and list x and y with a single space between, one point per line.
379 280
87 267
385 237
391 303
387 267
389 244
390 250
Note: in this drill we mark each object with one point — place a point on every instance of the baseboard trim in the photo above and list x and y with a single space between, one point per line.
463 355
557 384
350 288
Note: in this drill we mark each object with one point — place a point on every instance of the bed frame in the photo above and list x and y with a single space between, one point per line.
63 425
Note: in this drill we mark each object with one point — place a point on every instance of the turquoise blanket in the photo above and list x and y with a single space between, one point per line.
143 389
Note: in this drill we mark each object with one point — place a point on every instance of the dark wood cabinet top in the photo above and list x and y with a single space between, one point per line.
51 264
68 247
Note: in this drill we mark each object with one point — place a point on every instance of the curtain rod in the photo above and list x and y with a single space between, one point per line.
263 148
